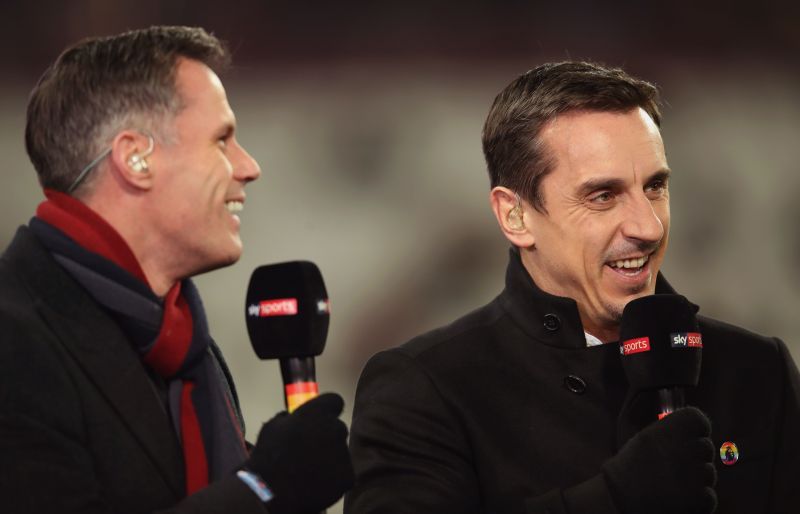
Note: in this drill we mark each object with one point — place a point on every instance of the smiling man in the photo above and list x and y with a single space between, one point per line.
114 398
523 405
601 237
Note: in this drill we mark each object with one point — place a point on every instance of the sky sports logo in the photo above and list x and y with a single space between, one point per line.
277 307
638 345
686 340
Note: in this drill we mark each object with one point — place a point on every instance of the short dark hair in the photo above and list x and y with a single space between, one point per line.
102 85
516 156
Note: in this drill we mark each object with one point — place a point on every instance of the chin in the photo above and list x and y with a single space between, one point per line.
614 313
230 258
232 251
220 260
614 308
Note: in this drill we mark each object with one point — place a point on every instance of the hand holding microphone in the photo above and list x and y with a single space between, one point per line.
668 466
302 455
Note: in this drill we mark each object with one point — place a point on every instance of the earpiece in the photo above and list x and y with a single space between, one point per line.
514 217
137 161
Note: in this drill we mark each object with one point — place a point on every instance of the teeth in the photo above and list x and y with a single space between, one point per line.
234 207
630 263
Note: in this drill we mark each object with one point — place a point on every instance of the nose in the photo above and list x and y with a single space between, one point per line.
642 221
245 168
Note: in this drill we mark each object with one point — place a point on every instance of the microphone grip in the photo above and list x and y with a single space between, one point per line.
670 399
299 381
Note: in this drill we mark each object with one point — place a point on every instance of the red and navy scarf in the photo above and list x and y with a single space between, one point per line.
170 335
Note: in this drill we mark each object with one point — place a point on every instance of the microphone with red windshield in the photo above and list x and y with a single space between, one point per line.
661 347
287 314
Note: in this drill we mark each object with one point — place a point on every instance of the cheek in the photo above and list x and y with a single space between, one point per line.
595 238
661 208
664 217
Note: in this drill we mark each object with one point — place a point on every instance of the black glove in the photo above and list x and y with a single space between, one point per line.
666 468
303 457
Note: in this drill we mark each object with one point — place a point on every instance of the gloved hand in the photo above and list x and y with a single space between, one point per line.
666 468
303 457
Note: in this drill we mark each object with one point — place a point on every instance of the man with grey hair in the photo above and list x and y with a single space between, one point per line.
114 398
523 405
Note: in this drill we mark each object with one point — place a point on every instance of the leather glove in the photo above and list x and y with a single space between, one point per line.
666 468
303 457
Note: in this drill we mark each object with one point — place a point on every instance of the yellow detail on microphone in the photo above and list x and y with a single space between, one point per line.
298 393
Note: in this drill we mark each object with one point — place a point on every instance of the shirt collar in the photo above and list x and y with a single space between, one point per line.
592 340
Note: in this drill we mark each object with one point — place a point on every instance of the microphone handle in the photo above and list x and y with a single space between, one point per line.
670 399
299 381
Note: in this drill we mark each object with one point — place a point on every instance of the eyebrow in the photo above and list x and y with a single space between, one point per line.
596 184
662 174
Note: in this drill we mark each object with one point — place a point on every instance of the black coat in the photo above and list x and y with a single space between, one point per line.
82 428
498 410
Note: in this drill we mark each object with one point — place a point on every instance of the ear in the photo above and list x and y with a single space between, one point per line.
511 216
129 152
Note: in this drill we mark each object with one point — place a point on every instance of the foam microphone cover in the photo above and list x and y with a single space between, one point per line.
660 342
287 310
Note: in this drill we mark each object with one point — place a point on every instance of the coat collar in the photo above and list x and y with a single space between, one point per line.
553 320
101 350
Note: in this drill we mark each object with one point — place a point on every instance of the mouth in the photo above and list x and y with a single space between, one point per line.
234 206
631 266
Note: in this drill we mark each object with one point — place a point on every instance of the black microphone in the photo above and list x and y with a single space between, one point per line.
661 347
287 314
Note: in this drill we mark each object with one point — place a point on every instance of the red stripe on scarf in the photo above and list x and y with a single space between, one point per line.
89 230
194 451
173 342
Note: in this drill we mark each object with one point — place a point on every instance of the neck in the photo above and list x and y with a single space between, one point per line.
116 211
160 285
607 334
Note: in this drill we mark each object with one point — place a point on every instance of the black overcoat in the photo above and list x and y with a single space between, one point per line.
503 408
82 427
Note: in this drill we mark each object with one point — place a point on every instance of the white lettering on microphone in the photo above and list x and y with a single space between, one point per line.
638 345
323 306
687 340
278 307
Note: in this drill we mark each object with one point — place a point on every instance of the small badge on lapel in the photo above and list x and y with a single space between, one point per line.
729 453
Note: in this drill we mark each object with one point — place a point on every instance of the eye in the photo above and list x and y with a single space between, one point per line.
601 197
656 188
224 137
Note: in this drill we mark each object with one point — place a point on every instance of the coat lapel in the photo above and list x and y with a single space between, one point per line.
102 351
